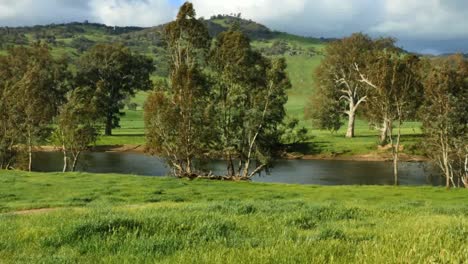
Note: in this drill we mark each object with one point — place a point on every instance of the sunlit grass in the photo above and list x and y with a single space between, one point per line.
123 219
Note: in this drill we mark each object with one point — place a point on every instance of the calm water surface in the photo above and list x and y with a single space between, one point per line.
319 172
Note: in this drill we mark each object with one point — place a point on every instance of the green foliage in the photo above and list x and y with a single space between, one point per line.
111 72
175 114
445 119
340 89
77 127
302 59
292 133
82 44
249 100
32 85
221 23
10 37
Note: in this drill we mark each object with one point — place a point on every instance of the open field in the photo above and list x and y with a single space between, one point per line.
130 219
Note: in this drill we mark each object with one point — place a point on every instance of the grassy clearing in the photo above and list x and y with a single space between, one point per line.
129 219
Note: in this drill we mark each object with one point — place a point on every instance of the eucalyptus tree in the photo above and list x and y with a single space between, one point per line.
340 90
250 95
445 119
77 126
33 85
396 93
176 115
111 72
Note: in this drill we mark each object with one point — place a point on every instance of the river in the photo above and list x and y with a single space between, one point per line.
317 172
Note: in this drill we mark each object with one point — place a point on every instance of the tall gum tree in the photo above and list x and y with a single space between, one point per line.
111 72
33 85
445 119
77 126
340 90
175 114
250 95
395 95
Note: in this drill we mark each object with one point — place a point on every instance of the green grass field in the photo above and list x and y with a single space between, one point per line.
133 219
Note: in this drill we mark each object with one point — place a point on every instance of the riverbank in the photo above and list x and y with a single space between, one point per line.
80 217
378 156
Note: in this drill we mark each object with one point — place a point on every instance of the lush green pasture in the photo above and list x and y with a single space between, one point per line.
131 219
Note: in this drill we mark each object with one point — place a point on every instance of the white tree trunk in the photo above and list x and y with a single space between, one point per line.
75 160
351 124
385 131
29 151
65 161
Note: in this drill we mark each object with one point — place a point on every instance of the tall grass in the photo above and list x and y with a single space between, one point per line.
128 219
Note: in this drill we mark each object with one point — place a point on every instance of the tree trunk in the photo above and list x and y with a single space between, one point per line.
351 121
384 131
188 169
230 167
29 151
108 130
395 149
64 150
464 177
395 170
65 161
75 160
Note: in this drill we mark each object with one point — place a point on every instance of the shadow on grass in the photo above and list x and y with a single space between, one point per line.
127 135
309 148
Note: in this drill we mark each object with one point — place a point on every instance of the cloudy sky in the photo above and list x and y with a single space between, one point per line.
431 26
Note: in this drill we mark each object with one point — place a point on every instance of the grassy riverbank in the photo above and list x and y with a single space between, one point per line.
129 219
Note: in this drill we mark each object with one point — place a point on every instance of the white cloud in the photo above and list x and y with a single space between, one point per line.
440 22
31 12
132 12
322 17
260 9
425 19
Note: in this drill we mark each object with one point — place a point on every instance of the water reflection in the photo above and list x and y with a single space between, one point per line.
320 172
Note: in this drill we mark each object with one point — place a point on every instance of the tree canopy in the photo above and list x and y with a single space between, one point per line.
32 84
111 72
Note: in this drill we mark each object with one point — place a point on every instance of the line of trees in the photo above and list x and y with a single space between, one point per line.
388 87
224 100
41 99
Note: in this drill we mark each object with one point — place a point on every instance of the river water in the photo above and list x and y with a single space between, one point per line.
317 172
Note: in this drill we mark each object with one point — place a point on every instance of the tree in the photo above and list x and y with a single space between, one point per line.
112 72
292 133
395 94
340 91
445 119
175 114
77 127
249 97
33 84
